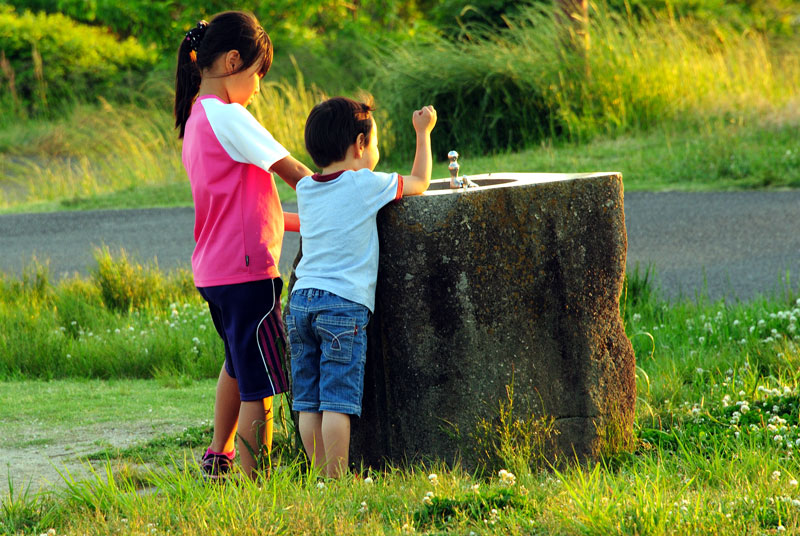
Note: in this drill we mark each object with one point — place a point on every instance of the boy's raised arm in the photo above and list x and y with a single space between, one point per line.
420 178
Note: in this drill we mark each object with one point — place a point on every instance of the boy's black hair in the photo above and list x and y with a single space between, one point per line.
230 30
333 126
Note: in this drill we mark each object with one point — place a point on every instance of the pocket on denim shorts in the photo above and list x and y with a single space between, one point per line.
337 335
295 343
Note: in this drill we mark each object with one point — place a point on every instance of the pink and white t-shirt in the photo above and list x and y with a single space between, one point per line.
238 222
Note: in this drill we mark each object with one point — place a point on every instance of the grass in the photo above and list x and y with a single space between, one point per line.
504 90
717 410
670 104
120 156
717 430
126 321
42 412
718 155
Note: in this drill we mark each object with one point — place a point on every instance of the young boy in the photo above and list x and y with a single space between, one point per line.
335 290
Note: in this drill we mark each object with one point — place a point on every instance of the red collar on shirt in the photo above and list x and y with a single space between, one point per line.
329 177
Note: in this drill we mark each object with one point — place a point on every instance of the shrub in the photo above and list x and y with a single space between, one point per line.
149 21
126 285
49 61
482 102
498 90
125 321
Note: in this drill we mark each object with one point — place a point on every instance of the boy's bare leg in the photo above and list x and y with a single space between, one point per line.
255 432
336 437
311 433
226 413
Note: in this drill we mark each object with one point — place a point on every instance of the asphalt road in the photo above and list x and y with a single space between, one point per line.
726 244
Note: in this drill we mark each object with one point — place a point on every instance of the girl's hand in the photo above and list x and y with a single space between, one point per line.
424 119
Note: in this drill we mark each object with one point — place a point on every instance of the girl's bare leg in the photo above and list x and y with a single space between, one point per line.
226 413
255 432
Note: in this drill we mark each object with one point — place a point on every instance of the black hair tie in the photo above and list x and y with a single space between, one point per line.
195 35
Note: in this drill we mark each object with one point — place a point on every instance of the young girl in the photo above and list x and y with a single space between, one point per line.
238 226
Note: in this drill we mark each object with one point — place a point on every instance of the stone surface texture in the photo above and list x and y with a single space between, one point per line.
498 285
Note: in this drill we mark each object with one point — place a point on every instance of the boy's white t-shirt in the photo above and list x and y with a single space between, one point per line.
340 233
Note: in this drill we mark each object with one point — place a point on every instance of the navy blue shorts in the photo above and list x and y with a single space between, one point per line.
248 318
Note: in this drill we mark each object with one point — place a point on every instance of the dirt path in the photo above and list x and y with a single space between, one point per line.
39 467
49 427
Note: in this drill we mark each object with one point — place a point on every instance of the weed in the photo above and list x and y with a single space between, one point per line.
513 437
22 511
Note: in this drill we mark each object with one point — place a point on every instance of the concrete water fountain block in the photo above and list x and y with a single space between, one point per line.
518 279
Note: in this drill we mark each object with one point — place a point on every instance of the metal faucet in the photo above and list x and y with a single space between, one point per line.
455 180
454 167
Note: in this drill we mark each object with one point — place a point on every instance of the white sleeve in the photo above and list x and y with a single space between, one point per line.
242 137
379 189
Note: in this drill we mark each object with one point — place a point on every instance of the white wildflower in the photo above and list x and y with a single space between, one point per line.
507 477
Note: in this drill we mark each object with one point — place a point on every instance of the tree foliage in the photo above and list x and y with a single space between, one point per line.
49 61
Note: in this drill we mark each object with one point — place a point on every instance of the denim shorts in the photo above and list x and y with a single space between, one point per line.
328 340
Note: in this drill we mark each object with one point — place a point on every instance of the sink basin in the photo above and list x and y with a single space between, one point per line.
445 184
504 180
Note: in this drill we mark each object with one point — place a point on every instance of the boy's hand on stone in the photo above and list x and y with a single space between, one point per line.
424 119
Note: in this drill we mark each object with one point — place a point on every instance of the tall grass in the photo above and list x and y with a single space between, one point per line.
519 89
126 321
499 90
95 149
106 148
282 107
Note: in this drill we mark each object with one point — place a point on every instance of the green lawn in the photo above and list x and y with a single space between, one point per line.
717 430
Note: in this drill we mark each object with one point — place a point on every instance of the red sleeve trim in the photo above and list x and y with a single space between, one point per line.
399 195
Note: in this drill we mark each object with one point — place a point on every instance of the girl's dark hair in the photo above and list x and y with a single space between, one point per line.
231 30
333 126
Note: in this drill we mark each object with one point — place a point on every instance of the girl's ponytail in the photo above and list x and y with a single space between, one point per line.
187 75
